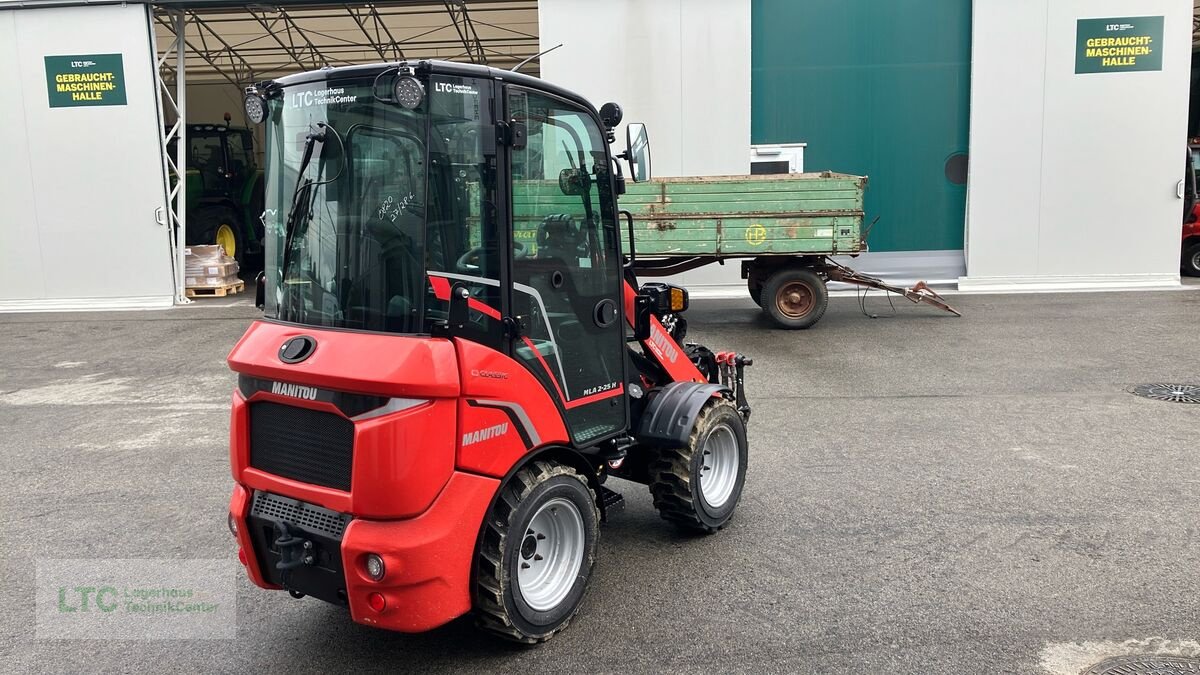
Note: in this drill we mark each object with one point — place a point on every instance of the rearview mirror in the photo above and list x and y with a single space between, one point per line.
637 143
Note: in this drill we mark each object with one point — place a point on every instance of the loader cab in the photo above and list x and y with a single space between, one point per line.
437 200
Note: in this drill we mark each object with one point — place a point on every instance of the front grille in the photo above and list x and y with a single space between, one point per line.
305 445
295 512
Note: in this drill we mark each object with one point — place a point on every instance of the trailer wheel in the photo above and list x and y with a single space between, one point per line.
536 553
1191 260
795 298
696 487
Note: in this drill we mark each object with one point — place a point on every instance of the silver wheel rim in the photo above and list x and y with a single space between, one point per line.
719 465
551 554
1196 261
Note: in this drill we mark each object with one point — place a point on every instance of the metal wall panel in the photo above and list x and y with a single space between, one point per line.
80 184
875 88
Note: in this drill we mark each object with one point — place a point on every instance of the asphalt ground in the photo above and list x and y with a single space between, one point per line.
926 494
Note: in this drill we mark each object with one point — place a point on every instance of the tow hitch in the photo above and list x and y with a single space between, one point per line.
920 292
293 552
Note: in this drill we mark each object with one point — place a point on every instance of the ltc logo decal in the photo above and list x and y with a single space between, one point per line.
756 234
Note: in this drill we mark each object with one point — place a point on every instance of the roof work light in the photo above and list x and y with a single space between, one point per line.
256 106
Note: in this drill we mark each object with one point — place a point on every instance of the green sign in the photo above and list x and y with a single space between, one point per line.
93 79
1117 45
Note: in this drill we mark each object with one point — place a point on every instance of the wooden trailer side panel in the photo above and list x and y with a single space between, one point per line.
808 214
736 216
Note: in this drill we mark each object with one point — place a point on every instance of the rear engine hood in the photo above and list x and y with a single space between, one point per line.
400 366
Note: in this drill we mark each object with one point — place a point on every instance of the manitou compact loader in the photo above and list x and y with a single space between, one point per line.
427 414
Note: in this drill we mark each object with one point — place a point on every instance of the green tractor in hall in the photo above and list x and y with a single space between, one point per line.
225 191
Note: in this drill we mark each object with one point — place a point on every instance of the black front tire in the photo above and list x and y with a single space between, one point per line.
795 298
675 473
1191 260
499 604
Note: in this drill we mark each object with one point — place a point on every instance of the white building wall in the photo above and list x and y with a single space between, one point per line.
680 66
1073 177
80 185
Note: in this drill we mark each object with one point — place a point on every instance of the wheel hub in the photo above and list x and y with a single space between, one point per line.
529 546
719 465
551 554
795 299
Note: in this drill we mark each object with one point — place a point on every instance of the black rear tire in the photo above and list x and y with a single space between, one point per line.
795 297
1191 260
508 541
676 474
756 294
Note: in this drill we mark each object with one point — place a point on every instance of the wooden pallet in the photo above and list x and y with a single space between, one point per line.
216 291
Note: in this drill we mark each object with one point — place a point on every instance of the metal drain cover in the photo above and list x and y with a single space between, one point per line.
1175 393
1146 665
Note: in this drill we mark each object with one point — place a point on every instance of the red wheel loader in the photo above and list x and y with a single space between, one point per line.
427 414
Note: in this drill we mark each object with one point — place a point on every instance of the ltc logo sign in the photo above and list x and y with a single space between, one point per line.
452 88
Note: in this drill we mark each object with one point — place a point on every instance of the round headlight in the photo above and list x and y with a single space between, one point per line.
256 108
374 566
409 91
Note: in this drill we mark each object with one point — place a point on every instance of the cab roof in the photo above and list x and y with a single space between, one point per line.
435 67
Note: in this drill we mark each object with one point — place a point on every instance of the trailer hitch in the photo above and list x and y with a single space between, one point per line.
920 292
293 551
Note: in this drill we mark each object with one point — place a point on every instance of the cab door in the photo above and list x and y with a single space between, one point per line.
566 271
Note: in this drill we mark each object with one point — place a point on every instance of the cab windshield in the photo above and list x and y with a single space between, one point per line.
365 198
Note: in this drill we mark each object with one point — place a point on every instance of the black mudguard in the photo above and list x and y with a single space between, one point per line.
671 412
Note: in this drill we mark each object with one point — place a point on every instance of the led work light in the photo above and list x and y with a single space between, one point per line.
256 107
409 92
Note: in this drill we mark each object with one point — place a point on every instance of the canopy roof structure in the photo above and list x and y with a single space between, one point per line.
240 43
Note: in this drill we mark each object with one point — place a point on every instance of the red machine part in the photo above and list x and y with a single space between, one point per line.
499 391
427 559
385 483
1192 229
668 353
239 508
364 363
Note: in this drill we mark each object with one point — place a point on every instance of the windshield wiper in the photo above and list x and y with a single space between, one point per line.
302 187
302 199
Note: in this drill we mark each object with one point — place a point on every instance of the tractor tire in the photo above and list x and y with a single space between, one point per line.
795 298
536 553
697 487
220 225
1191 260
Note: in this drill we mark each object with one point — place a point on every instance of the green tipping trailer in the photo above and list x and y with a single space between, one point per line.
783 227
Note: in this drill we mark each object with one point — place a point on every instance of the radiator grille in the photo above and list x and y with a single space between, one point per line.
308 516
305 445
